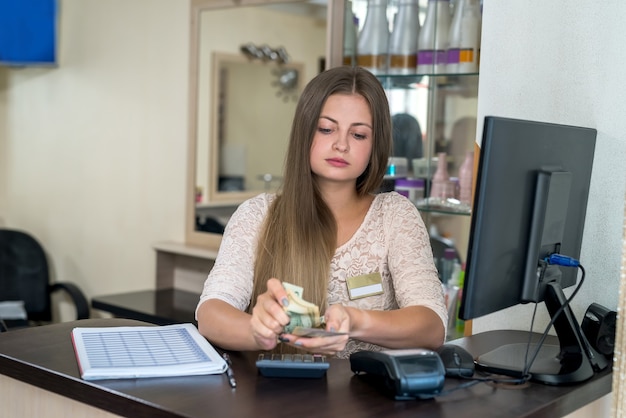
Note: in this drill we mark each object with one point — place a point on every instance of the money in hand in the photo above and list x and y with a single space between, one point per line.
302 314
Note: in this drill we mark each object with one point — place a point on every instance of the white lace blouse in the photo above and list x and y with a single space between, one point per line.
392 240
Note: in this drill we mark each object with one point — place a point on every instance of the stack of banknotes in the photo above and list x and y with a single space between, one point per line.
305 318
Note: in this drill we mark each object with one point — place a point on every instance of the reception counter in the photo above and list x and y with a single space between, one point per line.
39 376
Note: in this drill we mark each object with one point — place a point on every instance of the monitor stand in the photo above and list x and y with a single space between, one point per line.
574 360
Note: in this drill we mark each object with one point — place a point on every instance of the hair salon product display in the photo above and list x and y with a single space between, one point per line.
444 191
446 42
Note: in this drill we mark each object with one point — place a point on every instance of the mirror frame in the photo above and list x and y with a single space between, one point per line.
334 50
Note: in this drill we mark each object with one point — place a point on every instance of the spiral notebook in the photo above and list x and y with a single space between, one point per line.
144 351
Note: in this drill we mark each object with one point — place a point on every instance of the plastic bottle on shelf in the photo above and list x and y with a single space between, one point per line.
441 179
433 38
454 38
447 264
397 167
469 42
411 188
466 171
452 290
404 38
373 40
453 188
350 35
460 324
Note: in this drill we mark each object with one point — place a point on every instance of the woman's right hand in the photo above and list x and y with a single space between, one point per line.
269 316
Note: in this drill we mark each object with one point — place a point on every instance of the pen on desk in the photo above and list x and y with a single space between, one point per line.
229 371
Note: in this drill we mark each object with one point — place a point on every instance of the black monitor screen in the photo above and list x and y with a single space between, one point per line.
513 154
529 206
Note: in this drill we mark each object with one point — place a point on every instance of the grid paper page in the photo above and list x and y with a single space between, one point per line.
144 351
142 348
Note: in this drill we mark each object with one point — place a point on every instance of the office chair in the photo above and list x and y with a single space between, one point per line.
209 225
24 276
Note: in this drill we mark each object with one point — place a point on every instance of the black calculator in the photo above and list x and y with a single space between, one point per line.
292 365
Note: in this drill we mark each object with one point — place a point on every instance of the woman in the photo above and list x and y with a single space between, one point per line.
363 258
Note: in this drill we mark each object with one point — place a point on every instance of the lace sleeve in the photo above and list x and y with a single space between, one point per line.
410 258
232 275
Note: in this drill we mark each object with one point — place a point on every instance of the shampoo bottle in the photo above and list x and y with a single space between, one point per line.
349 35
465 178
404 38
373 41
454 38
469 46
441 178
433 38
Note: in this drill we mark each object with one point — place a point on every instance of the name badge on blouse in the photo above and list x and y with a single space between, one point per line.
365 285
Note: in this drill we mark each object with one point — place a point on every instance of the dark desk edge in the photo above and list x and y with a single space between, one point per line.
122 404
81 390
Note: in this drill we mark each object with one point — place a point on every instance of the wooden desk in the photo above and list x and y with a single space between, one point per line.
161 307
43 357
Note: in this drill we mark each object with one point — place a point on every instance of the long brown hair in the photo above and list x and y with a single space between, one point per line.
298 239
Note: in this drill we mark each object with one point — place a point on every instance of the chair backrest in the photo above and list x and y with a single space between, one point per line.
24 273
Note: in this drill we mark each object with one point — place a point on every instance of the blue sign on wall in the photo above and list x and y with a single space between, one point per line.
28 31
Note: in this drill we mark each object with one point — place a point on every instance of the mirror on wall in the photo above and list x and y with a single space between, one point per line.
241 104
251 108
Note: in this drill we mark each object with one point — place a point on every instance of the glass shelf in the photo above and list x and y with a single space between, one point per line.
444 206
441 211
400 76
444 81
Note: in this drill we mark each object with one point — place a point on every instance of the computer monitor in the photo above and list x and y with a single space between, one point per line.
530 201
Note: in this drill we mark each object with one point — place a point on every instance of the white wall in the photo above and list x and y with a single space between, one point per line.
561 61
93 152
552 62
